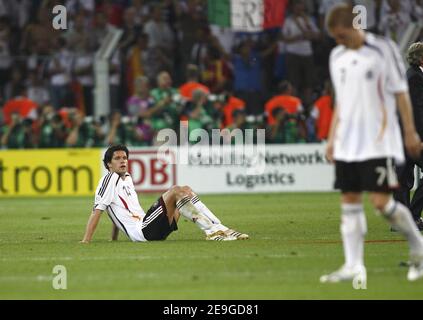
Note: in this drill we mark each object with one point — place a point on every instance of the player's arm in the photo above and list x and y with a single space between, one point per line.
115 232
331 137
411 138
91 225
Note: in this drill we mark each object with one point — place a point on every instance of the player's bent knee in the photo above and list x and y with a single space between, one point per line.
180 192
379 201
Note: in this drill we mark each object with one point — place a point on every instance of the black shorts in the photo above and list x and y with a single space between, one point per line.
155 224
376 175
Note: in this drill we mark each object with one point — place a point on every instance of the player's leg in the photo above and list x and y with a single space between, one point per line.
178 201
400 218
209 214
353 224
353 230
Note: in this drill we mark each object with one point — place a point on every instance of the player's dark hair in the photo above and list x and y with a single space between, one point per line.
109 153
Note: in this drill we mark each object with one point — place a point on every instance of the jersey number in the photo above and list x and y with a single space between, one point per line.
382 172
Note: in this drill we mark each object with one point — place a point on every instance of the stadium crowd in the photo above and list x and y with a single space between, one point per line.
170 65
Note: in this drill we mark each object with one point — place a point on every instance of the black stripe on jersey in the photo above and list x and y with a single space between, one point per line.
401 74
105 184
117 181
195 199
123 227
373 47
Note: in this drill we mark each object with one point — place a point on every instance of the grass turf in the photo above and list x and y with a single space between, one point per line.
294 239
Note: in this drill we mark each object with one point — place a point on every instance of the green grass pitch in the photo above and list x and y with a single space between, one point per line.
294 239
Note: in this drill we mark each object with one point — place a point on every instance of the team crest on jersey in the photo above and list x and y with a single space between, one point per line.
369 75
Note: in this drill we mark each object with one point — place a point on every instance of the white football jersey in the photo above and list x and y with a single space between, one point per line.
119 199
365 82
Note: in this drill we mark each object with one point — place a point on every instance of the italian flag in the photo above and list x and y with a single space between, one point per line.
247 15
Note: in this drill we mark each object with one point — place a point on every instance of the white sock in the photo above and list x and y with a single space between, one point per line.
400 218
353 230
206 211
190 212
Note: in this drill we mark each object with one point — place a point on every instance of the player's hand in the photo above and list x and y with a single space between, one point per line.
413 145
329 152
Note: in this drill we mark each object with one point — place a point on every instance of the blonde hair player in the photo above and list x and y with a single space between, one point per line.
365 140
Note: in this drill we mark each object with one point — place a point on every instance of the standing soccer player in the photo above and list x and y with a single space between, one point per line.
115 194
365 139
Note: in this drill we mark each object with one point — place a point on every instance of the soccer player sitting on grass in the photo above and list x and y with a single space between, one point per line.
115 194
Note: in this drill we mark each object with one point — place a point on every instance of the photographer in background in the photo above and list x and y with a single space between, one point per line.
18 134
166 100
199 114
286 128
52 129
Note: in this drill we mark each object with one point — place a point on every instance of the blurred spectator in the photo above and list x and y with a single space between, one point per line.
200 47
114 82
285 129
225 36
141 11
417 12
21 105
18 134
166 103
83 69
112 12
78 133
37 91
198 117
248 76
322 112
59 69
231 103
117 132
80 35
13 88
159 33
239 117
298 33
285 100
218 74
40 33
131 29
5 57
193 83
395 22
101 27
141 103
190 21
52 129
98 132
142 133
143 60
74 6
